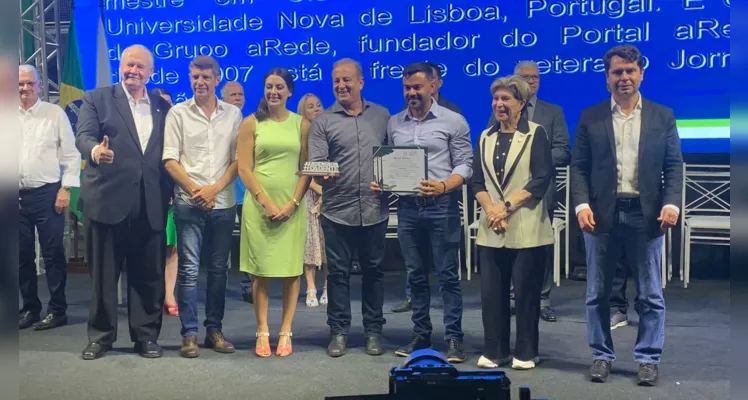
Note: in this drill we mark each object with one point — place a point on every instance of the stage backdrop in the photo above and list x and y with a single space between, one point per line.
686 43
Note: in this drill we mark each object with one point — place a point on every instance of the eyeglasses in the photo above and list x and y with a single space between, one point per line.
530 77
23 84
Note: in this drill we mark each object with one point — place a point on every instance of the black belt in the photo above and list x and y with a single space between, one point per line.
22 192
422 200
628 203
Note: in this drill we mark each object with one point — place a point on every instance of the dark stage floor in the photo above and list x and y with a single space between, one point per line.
694 366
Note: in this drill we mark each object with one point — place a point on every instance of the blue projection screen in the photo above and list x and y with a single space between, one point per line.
686 44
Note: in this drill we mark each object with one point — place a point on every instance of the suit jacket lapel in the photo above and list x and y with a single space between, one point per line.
610 132
488 147
120 99
644 132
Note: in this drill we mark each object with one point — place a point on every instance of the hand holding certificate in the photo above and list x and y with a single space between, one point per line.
400 169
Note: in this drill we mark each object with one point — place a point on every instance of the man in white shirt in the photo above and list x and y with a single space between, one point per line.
200 155
47 146
627 176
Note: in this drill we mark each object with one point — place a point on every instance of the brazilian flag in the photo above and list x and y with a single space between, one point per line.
71 94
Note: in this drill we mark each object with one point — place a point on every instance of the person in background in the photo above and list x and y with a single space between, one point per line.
314 253
125 193
551 117
170 274
233 93
627 170
272 150
511 173
199 153
353 217
429 223
442 101
49 166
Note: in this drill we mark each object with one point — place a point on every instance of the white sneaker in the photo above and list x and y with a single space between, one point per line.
618 320
518 364
484 362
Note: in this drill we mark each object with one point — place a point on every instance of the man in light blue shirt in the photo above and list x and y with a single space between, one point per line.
429 223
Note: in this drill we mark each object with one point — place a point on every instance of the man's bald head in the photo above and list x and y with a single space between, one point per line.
136 67
233 93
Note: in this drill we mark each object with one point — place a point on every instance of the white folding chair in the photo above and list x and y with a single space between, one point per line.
471 234
462 203
391 232
705 211
561 223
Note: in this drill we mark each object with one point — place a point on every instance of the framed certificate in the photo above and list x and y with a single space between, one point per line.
400 168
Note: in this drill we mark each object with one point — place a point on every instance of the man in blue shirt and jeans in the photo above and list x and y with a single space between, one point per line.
429 225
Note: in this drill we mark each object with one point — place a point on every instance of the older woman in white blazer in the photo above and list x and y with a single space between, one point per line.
512 170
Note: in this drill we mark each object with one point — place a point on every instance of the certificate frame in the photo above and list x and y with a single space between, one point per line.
383 162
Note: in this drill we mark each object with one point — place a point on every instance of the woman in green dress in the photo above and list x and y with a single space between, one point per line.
273 228
170 275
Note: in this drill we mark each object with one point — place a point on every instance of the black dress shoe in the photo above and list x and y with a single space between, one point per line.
26 319
95 350
338 346
600 370
148 349
417 343
547 314
374 345
355 267
51 321
403 307
455 354
579 274
647 375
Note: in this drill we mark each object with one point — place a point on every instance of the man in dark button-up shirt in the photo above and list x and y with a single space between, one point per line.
429 223
353 217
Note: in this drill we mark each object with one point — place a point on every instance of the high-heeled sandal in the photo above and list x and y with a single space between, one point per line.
311 298
287 350
263 351
171 310
323 298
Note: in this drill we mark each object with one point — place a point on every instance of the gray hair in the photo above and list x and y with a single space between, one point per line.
225 88
514 85
359 70
32 69
142 48
525 64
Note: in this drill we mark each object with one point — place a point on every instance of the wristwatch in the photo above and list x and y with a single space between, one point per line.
66 188
296 202
508 206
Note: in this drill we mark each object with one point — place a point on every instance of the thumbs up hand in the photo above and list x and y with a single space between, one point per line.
102 154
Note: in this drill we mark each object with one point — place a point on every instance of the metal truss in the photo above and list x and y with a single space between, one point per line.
40 43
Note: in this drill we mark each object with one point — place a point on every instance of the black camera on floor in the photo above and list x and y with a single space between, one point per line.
426 374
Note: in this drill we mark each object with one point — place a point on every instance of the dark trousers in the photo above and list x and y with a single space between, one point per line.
618 301
429 231
340 240
628 235
545 292
107 248
38 213
498 268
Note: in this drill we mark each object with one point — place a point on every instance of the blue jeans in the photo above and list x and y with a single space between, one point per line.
194 226
627 236
429 230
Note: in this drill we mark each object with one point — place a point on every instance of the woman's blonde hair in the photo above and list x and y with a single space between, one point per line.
513 84
303 102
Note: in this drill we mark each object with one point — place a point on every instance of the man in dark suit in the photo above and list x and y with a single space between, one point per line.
125 194
622 149
551 117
